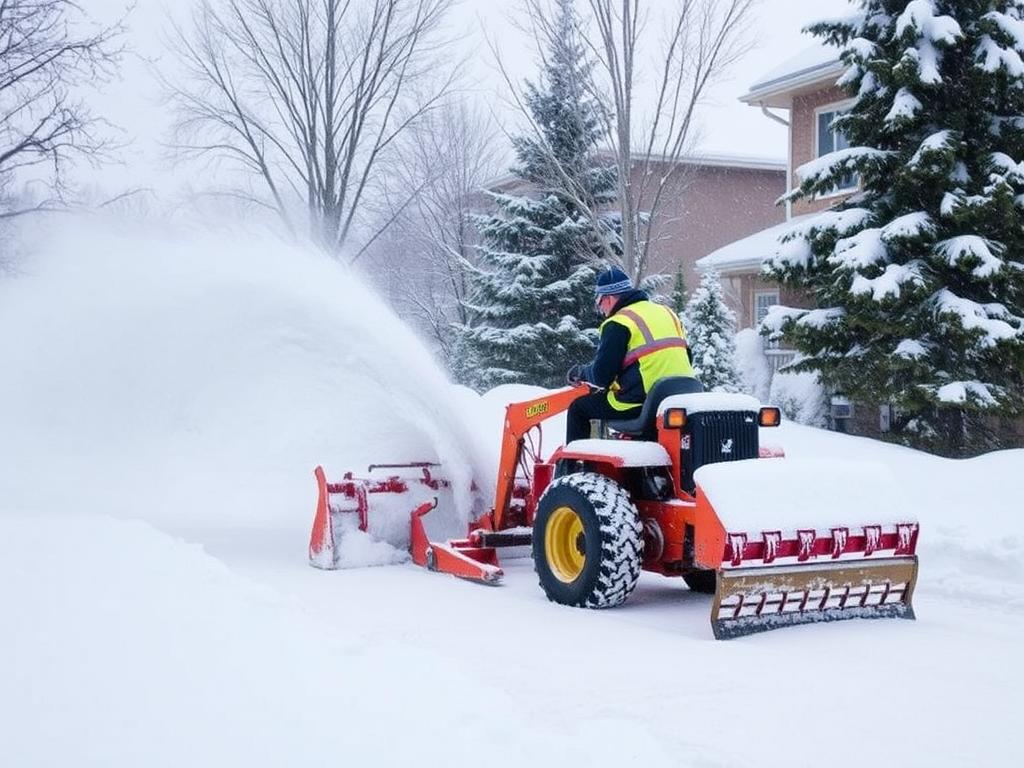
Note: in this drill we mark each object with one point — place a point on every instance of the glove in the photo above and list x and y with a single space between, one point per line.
574 375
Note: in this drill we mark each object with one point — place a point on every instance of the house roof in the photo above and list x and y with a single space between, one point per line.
751 251
713 160
808 69
730 160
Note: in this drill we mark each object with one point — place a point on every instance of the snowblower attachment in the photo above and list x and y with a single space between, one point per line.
773 578
345 505
344 508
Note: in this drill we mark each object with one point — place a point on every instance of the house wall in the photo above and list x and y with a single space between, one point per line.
740 287
803 141
739 294
702 209
708 207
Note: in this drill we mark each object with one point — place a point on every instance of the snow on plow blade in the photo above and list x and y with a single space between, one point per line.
787 558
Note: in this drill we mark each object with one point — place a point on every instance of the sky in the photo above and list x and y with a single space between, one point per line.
729 126
136 104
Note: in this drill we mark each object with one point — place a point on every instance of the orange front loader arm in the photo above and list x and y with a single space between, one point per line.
471 558
520 418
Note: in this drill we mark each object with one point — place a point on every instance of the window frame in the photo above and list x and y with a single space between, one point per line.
836 106
758 293
755 293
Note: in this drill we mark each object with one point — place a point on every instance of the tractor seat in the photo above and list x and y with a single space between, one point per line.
643 425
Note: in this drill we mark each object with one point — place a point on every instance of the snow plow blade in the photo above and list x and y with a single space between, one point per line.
751 600
778 533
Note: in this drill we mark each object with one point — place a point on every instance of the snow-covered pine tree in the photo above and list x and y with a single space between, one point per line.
532 299
678 299
711 333
919 278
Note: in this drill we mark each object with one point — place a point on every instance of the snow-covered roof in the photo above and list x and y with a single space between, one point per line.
738 161
750 252
732 160
811 66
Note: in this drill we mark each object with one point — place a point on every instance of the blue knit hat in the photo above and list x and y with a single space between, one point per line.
612 281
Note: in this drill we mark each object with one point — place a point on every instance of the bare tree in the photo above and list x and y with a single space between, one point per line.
702 38
48 49
423 260
305 96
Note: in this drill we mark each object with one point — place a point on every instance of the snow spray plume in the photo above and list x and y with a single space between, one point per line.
200 377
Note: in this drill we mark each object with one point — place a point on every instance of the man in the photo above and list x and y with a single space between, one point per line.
641 342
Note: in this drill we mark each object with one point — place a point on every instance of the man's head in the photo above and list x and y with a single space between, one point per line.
611 284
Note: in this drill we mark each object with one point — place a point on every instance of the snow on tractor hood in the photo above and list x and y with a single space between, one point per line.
633 453
698 402
756 495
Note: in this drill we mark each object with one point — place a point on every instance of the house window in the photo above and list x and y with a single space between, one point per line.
762 301
830 140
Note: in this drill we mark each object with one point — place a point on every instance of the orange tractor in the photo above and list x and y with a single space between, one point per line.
601 510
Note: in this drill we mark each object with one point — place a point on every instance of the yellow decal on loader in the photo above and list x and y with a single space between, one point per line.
537 410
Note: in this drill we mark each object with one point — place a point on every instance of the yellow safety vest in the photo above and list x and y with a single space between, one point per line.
657 344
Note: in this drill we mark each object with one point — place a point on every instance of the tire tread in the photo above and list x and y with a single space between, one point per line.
621 538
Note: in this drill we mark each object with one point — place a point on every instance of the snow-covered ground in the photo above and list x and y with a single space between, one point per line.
163 400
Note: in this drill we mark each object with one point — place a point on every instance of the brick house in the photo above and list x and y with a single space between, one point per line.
804 88
698 213
713 200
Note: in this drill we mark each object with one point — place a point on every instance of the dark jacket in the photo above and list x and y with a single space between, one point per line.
611 351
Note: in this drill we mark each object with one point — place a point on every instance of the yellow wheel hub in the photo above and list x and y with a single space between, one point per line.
564 545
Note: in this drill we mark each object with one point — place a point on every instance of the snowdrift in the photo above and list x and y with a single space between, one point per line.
972 534
127 647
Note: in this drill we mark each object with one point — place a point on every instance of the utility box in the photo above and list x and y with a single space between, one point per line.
885 418
840 412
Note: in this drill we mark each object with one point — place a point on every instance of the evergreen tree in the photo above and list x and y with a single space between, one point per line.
711 333
532 298
919 278
678 299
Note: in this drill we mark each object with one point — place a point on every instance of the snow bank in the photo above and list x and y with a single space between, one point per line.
196 379
800 397
972 532
755 373
122 646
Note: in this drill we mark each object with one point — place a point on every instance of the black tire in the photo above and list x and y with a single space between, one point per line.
704 582
609 537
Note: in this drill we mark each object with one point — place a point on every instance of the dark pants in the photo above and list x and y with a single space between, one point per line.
593 406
